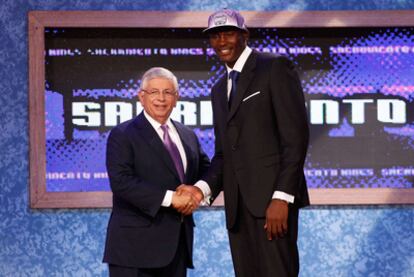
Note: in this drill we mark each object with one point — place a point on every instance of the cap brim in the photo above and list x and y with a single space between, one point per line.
207 30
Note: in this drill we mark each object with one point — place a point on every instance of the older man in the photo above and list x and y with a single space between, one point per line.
150 232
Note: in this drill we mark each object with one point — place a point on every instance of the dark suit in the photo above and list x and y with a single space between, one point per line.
141 233
261 141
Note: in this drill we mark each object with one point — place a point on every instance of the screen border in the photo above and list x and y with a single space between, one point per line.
38 20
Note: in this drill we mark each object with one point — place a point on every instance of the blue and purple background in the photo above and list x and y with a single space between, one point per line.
333 241
335 64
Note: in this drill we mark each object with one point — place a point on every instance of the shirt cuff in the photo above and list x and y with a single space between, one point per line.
166 202
205 189
283 196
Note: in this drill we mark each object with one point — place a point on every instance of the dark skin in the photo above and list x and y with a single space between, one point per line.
229 43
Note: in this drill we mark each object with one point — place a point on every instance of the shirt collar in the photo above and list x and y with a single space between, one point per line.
238 66
155 124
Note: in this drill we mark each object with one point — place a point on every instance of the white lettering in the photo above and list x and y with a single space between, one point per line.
185 112
358 109
117 112
391 111
324 111
206 113
86 114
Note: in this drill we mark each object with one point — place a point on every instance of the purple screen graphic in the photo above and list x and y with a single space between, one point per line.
358 85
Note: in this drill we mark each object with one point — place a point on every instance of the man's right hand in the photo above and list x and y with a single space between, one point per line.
195 191
184 202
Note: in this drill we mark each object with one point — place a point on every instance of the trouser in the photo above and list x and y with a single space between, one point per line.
254 255
176 268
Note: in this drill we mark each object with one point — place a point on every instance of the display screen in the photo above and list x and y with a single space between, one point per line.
358 85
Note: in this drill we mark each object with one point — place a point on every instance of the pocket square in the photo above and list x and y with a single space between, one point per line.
251 95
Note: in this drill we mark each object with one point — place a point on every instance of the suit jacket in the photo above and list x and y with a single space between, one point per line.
140 232
261 141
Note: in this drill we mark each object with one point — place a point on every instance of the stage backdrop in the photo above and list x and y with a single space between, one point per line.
334 241
358 83
357 74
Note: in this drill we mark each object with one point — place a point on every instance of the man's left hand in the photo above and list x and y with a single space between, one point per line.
195 191
276 219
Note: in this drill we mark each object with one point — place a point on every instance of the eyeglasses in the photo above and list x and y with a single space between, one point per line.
156 92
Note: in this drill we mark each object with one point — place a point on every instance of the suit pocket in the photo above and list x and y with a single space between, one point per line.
130 221
251 95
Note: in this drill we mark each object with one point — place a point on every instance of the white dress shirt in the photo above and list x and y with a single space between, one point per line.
166 202
238 66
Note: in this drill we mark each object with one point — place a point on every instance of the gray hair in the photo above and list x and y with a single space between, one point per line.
158 72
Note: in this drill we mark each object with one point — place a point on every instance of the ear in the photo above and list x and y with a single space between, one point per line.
176 98
246 36
140 96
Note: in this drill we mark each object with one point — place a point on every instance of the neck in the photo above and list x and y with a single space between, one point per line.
162 122
232 63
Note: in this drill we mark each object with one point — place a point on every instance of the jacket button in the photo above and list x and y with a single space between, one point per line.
233 147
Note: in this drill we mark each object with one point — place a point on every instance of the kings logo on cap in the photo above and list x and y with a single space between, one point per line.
220 19
225 18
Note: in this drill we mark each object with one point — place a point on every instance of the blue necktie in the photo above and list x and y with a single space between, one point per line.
174 153
233 75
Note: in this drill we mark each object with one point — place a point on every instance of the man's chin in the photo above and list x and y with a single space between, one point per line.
225 59
162 115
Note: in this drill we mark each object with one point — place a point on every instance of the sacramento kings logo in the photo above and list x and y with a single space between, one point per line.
220 19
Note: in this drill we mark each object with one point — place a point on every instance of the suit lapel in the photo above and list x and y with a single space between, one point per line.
245 78
147 132
222 94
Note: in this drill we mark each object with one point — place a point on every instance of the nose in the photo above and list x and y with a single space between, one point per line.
218 38
161 96
221 38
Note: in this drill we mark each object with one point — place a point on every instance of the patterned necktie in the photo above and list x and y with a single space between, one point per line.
233 75
174 153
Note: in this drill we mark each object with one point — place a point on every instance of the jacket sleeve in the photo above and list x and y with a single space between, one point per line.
203 161
214 176
290 113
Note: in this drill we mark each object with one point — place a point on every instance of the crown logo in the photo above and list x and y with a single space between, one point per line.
220 19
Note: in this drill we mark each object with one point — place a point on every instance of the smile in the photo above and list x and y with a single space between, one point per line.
224 51
160 107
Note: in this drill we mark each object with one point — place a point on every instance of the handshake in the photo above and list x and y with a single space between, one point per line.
186 199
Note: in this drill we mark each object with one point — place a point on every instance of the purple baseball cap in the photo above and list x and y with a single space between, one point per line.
225 18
